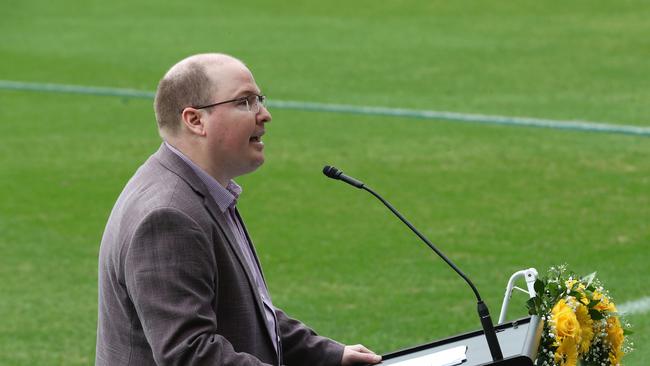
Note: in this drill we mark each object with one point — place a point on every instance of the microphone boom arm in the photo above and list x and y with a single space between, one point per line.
484 313
424 239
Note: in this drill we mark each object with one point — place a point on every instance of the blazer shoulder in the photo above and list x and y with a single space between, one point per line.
156 187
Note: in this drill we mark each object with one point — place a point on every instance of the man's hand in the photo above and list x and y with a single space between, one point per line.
358 354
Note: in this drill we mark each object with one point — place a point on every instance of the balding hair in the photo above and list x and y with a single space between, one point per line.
186 84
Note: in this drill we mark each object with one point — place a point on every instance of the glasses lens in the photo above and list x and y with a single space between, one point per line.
254 102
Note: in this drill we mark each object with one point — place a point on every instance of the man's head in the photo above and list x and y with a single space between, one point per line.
224 139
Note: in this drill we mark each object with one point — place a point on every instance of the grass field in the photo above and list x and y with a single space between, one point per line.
496 199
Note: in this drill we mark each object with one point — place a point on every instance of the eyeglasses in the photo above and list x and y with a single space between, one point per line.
250 103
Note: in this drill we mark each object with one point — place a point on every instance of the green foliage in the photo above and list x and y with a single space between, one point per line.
496 199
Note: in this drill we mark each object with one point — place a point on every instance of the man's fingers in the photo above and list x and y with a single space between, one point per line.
361 357
360 354
361 348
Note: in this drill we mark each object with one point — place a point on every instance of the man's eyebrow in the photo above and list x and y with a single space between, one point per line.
247 92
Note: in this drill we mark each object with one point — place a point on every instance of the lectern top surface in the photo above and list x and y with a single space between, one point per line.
514 339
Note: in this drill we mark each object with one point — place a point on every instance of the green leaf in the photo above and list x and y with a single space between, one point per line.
627 332
589 278
539 286
591 288
595 314
531 305
575 294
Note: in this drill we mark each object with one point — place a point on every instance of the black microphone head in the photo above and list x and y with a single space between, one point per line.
331 172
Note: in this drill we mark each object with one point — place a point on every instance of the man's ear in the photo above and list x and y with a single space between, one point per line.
193 120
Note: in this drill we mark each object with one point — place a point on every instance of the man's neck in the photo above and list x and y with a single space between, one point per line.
193 152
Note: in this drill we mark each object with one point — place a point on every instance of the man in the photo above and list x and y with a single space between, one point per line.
179 280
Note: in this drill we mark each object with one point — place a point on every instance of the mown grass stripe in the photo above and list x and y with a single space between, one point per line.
364 110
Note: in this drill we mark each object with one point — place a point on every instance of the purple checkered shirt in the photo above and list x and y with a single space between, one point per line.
226 199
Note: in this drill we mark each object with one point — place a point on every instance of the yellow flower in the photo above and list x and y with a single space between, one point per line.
615 338
580 289
586 328
567 353
604 301
611 307
566 323
570 283
615 357
571 336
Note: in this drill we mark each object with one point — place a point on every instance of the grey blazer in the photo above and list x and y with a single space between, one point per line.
174 288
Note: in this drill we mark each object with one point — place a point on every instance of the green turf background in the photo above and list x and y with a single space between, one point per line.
496 199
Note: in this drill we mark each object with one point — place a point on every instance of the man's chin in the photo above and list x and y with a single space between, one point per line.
255 164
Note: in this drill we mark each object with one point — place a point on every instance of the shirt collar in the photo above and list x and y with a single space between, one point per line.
224 197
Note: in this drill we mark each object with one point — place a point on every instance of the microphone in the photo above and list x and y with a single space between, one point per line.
483 312
334 173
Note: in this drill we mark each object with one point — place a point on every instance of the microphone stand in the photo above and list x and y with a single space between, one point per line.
483 312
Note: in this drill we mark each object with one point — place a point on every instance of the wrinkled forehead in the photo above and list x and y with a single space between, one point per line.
232 79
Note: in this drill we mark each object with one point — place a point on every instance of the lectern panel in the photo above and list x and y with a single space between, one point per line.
518 340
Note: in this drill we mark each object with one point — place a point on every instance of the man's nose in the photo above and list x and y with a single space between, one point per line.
263 116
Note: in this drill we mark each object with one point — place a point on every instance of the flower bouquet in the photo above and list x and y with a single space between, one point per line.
581 323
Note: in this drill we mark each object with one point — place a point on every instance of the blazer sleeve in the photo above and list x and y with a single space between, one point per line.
171 277
302 346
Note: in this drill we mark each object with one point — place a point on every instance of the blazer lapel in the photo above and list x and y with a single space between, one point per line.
252 247
257 261
174 163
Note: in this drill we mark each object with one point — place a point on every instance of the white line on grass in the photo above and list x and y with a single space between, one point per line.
639 306
467 117
364 110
